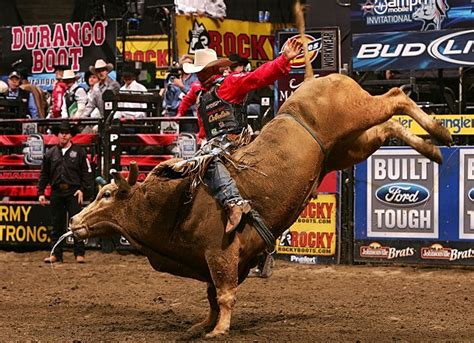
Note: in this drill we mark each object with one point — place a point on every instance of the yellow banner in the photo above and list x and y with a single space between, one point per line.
147 49
458 124
314 232
248 39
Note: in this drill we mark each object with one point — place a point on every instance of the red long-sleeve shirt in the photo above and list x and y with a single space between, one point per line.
58 95
235 87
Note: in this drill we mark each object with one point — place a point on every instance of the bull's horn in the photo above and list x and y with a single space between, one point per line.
120 181
133 173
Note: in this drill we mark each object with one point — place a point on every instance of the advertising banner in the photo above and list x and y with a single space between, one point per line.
313 233
408 208
24 226
147 49
248 39
413 50
458 124
323 48
41 47
369 16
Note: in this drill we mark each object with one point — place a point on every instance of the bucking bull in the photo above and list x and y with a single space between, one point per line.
329 123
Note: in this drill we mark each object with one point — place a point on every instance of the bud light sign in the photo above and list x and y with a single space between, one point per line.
402 195
413 50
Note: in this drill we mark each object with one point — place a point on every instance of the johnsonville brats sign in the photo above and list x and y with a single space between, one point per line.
40 47
314 232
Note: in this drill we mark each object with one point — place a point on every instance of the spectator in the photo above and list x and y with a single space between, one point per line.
27 102
3 87
101 69
58 92
177 84
66 167
38 94
91 79
75 97
129 76
239 63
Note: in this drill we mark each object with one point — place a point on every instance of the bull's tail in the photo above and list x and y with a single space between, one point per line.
300 24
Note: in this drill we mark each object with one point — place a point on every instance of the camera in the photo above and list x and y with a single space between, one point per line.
174 71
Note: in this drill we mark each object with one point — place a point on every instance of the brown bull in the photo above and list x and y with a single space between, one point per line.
189 240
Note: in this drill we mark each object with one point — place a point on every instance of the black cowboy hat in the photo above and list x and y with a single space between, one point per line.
65 126
61 67
238 60
129 70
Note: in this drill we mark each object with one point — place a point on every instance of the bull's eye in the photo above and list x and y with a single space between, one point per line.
106 194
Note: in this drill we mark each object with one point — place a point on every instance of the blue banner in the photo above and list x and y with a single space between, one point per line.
369 16
413 50
407 203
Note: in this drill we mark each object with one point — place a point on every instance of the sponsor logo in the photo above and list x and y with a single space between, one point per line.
303 259
314 47
402 194
198 37
470 194
376 250
431 13
438 252
435 252
456 48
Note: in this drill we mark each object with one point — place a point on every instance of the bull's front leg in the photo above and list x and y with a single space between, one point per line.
211 320
223 266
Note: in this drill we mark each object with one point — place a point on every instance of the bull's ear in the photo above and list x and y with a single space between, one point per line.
120 182
133 173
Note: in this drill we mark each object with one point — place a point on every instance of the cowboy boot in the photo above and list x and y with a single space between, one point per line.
235 211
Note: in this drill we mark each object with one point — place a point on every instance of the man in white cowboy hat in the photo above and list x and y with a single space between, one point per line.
75 98
102 70
223 116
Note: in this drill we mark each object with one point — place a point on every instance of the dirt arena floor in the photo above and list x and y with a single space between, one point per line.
120 298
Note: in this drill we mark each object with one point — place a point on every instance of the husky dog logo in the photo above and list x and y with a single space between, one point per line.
198 38
432 14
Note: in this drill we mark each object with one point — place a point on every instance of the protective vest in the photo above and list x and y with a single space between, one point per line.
219 116
70 98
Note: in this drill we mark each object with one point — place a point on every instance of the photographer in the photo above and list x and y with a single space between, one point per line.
177 84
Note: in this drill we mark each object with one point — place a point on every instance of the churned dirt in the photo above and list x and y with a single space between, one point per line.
121 298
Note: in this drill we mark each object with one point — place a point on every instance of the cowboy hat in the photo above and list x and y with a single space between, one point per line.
129 70
205 58
238 60
70 75
65 127
101 64
14 74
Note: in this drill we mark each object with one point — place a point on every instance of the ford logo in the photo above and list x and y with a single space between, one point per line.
470 194
402 194
454 48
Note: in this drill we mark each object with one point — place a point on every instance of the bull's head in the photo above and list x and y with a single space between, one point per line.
106 214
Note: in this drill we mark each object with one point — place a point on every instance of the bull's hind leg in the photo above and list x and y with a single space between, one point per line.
398 103
223 266
358 148
211 320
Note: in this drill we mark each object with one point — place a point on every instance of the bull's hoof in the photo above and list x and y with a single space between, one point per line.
217 333
443 134
200 328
